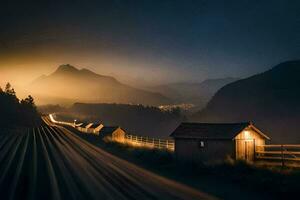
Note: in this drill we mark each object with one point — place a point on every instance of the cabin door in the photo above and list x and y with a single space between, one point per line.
249 150
245 149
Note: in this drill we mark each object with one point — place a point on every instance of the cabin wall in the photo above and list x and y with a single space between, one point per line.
81 129
85 130
118 135
213 151
90 130
97 130
246 143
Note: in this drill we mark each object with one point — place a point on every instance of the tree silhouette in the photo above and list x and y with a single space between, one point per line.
15 112
9 90
29 101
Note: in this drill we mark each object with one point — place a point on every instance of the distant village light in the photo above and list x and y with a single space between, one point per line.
75 122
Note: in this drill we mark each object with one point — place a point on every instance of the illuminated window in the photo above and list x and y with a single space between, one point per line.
247 135
201 144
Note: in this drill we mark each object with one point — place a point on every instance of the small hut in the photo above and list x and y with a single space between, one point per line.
84 127
88 128
95 128
214 142
114 132
81 126
78 124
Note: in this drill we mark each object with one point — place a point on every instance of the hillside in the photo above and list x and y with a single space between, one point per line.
196 93
270 99
69 85
15 112
136 119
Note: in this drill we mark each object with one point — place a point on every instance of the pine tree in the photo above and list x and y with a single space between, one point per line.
14 112
9 90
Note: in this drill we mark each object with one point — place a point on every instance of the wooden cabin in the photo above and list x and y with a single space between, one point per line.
95 128
78 124
84 127
215 142
88 128
81 126
113 132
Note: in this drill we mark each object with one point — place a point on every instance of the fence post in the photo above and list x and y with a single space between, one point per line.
282 157
254 157
153 142
167 144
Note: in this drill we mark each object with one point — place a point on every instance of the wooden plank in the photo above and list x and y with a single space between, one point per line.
291 145
279 152
279 146
269 157
277 158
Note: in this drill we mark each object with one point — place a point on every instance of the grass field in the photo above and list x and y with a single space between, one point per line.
231 180
50 162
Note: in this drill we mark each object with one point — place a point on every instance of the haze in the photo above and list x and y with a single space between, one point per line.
147 42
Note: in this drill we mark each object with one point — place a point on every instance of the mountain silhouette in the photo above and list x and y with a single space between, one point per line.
69 84
270 99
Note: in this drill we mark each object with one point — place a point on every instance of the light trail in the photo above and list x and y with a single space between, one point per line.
51 162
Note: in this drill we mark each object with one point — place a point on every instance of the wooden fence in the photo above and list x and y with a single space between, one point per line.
136 140
283 153
150 142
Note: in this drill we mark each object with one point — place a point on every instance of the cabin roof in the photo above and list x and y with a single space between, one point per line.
96 125
89 125
78 124
84 124
106 130
212 130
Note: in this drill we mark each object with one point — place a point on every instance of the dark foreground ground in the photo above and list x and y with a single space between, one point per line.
51 162
230 180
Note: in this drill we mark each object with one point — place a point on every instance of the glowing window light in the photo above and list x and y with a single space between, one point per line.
247 135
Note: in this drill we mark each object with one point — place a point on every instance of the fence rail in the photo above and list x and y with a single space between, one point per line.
136 140
150 142
278 153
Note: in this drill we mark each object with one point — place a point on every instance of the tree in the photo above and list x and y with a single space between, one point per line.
7 87
9 90
14 112
29 101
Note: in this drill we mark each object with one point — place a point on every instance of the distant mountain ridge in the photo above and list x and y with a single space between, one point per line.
196 93
67 69
271 99
70 84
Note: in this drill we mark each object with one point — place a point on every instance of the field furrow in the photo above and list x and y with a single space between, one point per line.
51 162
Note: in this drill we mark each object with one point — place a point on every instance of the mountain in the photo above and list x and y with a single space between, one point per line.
196 93
68 85
270 99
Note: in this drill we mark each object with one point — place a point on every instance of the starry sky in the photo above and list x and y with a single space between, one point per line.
148 41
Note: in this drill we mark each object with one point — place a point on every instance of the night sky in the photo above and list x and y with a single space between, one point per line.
149 41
